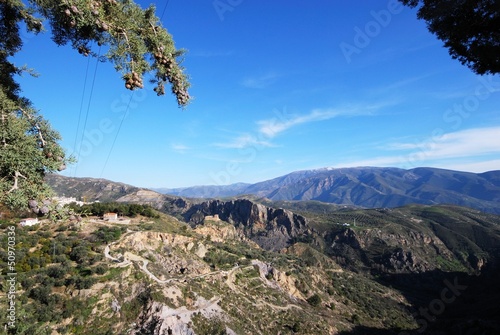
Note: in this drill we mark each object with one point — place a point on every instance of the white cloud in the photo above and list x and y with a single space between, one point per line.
478 167
464 143
269 128
244 141
382 161
272 127
180 148
465 150
398 85
261 81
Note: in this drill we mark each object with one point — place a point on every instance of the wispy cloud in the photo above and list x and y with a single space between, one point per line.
272 127
464 143
260 82
382 161
243 141
481 166
268 129
467 150
395 86
180 148
485 86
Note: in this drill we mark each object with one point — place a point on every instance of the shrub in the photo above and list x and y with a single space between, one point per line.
314 300
108 234
79 254
101 269
84 283
56 271
41 294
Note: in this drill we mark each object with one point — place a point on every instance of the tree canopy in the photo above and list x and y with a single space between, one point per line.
136 44
468 28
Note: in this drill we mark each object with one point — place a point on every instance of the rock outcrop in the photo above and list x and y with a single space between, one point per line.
271 228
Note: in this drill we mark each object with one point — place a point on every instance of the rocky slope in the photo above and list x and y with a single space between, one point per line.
88 189
245 266
410 239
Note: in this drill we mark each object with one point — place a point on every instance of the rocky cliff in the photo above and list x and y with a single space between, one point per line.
271 228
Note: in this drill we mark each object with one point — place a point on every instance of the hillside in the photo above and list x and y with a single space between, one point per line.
88 189
347 271
370 187
251 265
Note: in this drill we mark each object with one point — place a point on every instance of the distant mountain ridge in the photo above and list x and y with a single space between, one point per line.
211 191
369 187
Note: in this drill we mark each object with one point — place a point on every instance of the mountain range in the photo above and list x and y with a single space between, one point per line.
368 187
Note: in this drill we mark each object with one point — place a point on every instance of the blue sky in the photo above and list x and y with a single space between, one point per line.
278 86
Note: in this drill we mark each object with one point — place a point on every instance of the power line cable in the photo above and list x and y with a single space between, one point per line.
88 108
81 106
116 136
164 9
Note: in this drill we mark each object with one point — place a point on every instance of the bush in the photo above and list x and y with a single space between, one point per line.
84 283
101 269
56 271
314 300
41 294
27 283
79 254
209 326
60 259
108 234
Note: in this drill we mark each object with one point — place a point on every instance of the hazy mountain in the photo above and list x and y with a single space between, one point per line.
212 191
372 187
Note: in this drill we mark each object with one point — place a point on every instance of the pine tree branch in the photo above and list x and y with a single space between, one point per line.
153 27
34 124
4 141
17 174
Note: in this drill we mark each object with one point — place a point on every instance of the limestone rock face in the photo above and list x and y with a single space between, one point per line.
271 228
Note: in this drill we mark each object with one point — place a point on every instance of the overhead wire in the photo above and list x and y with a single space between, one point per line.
164 9
88 108
81 108
116 136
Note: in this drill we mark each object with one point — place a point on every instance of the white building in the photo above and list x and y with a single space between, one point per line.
110 216
28 222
